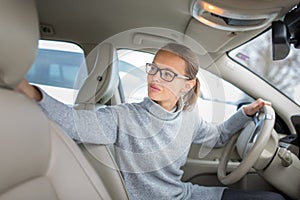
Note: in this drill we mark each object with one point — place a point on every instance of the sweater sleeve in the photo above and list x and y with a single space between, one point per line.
217 135
84 126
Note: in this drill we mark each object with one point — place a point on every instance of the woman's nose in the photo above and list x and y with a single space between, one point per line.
156 77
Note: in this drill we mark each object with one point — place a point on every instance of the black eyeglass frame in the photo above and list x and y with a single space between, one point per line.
153 65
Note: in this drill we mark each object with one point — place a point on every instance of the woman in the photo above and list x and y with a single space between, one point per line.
152 138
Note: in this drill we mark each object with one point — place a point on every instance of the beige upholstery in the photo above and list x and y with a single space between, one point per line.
18 38
103 161
38 160
102 61
103 79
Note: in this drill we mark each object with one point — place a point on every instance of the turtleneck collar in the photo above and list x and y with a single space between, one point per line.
161 113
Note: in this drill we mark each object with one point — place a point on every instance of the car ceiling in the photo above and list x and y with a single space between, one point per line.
93 21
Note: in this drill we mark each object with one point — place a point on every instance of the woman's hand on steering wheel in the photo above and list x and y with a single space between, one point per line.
255 106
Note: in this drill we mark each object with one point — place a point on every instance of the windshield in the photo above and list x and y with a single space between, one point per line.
283 74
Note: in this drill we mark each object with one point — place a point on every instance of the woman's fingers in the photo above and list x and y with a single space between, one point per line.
255 106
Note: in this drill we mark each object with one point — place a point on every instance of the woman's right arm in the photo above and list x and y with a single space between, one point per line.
30 91
98 127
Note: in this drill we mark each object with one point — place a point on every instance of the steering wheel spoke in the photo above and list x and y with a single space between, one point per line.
252 142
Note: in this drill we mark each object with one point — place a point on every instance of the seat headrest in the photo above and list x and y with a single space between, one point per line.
19 34
103 79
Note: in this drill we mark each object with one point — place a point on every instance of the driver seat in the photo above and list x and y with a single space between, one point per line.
38 160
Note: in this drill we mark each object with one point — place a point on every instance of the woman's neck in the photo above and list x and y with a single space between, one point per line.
167 105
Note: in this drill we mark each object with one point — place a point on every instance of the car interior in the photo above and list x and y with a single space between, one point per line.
39 160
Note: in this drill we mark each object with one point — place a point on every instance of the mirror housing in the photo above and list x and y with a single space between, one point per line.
280 40
285 33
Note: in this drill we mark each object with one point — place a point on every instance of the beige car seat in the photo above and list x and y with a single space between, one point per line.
97 89
38 160
103 78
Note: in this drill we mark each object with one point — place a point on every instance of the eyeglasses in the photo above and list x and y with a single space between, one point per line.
165 74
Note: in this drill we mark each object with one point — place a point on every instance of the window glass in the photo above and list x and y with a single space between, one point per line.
282 74
56 67
218 100
132 74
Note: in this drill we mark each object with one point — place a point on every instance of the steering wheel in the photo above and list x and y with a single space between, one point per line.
250 144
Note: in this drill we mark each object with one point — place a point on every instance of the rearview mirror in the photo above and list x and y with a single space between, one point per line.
280 40
285 33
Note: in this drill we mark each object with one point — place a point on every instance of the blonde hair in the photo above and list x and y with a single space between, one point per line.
192 67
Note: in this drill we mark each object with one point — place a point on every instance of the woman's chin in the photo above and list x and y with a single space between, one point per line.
155 96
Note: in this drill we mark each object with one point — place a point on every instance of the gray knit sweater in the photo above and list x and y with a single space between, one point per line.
151 144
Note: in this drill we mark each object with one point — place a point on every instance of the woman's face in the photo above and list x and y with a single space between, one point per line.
162 91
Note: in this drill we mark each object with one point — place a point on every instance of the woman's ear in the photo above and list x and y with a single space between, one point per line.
188 85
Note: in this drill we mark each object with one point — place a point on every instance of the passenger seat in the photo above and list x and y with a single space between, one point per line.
38 160
99 87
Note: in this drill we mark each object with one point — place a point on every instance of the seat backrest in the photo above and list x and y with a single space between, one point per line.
103 78
103 161
38 160
100 85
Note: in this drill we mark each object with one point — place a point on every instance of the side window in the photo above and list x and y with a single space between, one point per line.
56 68
132 74
218 100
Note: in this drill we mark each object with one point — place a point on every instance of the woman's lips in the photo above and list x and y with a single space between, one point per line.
154 88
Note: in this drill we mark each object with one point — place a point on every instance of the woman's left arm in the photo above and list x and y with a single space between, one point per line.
217 135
